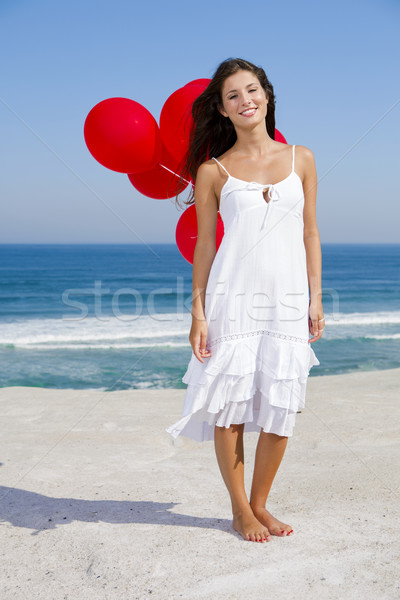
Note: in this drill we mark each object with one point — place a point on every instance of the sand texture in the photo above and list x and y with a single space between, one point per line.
98 501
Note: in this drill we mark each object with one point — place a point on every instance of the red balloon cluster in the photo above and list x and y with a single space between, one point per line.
123 136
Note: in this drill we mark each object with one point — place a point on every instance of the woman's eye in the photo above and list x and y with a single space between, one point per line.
234 96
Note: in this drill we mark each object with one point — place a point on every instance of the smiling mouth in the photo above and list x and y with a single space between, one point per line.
249 112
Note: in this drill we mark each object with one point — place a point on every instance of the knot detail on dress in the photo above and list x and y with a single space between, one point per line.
273 195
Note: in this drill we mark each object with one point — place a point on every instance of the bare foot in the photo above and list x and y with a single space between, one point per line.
249 527
275 526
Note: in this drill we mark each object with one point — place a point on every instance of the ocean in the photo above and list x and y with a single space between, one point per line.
113 317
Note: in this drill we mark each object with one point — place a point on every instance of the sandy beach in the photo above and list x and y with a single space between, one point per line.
98 501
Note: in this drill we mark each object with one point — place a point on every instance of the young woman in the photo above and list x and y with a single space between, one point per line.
257 300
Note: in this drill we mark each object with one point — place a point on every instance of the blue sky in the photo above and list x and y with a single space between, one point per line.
334 71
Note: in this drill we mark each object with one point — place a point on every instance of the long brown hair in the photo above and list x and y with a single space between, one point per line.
212 134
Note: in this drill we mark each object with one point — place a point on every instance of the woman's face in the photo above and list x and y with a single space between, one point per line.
244 100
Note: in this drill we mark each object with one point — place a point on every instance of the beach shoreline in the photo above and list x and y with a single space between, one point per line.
98 500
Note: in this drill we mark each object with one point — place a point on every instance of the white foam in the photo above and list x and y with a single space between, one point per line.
102 346
92 332
394 336
357 318
162 330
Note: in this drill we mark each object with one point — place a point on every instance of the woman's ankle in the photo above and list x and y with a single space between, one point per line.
240 509
258 503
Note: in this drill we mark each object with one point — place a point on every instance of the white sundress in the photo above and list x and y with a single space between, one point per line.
256 309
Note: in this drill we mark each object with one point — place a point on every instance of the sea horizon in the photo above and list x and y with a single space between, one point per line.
117 316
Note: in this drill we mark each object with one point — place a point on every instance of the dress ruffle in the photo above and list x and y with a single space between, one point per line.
257 380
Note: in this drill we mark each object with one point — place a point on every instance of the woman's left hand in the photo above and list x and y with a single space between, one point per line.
316 320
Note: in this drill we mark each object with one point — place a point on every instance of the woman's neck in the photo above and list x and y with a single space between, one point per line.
254 143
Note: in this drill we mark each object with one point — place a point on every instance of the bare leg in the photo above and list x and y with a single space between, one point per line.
269 453
230 456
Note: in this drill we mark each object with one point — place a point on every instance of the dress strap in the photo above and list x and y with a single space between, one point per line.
221 165
293 156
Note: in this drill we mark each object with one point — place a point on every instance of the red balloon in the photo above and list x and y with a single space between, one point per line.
176 119
279 137
203 82
159 182
123 136
186 233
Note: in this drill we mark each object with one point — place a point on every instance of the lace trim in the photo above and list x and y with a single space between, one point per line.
234 336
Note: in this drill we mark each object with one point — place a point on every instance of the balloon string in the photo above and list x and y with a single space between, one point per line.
176 174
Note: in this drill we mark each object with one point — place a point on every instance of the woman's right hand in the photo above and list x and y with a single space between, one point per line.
198 339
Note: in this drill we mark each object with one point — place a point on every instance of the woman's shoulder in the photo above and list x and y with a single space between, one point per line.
207 174
304 162
303 151
208 169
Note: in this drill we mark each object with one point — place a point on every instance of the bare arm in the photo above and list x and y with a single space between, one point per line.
312 244
204 253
